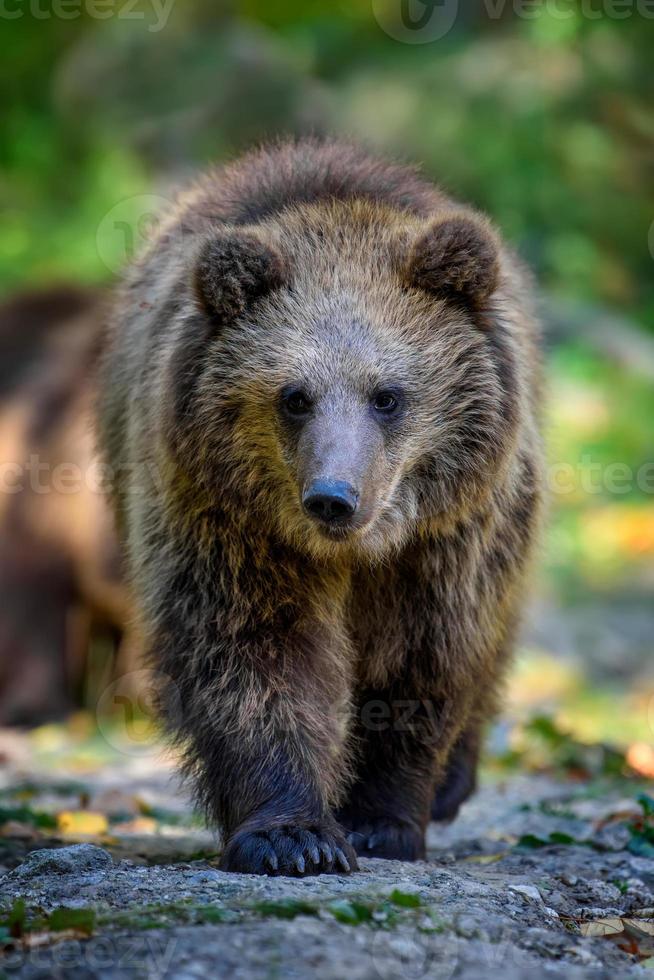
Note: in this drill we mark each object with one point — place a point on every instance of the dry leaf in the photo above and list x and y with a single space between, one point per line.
602 927
34 940
82 822
140 825
646 926
484 858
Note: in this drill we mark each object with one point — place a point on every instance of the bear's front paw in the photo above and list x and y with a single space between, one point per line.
384 838
289 850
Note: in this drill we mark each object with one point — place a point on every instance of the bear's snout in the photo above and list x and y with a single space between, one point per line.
330 501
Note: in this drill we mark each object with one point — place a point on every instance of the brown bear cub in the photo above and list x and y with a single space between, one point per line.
319 400
61 589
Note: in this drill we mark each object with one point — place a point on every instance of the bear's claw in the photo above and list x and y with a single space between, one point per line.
289 850
386 839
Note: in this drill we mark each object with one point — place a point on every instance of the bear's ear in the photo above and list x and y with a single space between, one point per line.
458 255
233 268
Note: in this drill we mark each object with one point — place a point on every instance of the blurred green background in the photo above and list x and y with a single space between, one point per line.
546 121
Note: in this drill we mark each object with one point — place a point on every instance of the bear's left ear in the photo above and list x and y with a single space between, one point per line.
457 256
233 268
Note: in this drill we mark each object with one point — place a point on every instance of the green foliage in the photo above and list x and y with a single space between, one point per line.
532 842
17 923
544 121
145 917
546 746
286 908
353 911
601 413
405 900
640 831
641 840
26 815
646 803
79 919
17 919
350 912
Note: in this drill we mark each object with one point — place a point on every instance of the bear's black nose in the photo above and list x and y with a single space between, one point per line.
330 500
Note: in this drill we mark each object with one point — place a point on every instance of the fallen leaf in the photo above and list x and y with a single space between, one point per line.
602 927
646 926
484 858
49 738
34 940
83 822
140 825
617 816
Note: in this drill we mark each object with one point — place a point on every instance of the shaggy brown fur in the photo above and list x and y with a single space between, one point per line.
60 575
312 317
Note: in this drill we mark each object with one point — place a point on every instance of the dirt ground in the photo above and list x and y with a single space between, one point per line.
107 873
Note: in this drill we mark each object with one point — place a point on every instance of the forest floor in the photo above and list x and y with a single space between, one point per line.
107 873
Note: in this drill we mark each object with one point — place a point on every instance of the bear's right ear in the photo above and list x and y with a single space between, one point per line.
233 268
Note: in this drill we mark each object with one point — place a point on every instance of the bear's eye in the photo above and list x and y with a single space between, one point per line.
386 402
295 402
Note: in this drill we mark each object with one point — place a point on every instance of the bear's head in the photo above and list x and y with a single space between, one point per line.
344 379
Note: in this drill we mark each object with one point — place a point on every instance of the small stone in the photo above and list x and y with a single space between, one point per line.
529 891
75 859
207 876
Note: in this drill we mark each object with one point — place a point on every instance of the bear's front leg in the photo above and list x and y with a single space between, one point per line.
388 806
273 795
261 713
